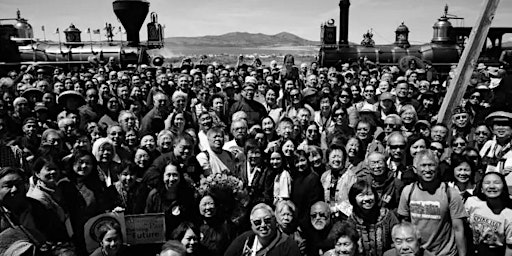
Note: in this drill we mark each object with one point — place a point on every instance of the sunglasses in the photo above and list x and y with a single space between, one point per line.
318 215
397 146
259 222
456 144
343 96
436 149
294 95
338 114
482 133
475 97
390 125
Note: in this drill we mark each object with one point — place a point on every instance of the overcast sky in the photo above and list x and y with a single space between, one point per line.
215 17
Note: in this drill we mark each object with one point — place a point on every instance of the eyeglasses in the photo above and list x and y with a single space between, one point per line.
318 215
312 130
343 96
259 222
402 146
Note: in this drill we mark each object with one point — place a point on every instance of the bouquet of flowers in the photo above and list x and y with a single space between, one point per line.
232 197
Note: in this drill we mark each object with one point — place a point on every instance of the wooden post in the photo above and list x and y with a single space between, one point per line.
468 61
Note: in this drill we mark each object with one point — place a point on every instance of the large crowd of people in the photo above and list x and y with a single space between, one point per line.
253 160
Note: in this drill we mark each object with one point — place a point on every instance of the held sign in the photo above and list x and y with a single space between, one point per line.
145 228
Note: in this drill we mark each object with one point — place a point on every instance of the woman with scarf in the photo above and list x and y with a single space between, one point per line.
109 163
337 180
56 225
85 195
490 216
372 222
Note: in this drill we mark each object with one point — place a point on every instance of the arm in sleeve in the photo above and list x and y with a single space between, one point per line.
457 210
204 162
403 206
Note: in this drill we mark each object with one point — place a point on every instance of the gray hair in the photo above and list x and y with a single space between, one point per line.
282 204
425 153
262 206
179 94
238 121
406 225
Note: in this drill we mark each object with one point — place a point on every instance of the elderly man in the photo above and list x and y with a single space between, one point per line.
236 145
255 110
407 240
496 153
214 159
318 229
264 238
383 180
173 248
153 121
435 208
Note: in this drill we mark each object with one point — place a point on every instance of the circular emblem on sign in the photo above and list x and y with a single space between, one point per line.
100 223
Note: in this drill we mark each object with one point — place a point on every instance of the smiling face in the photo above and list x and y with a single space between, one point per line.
263 223
462 173
366 199
352 147
207 207
492 186
48 175
418 146
111 243
83 166
336 159
288 148
171 176
190 241
426 169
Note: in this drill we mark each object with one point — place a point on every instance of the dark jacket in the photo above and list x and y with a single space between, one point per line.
306 190
254 110
154 174
285 245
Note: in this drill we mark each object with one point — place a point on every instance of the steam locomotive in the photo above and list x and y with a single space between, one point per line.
444 50
18 47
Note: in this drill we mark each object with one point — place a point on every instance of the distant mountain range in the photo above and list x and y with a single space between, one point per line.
241 39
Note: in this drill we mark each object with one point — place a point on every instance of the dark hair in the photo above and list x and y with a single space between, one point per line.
183 136
410 141
356 189
361 150
504 197
344 229
105 227
11 170
175 246
457 160
179 232
336 146
252 145
209 104
41 162
298 154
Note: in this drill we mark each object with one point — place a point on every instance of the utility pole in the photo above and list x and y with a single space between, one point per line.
468 61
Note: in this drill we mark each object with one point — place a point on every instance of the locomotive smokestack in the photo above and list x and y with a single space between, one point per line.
344 7
132 14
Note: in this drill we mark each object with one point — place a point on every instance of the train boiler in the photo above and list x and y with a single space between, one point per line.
18 41
442 51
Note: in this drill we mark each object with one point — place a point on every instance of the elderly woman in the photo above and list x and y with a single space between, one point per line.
84 194
128 120
409 119
287 223
164 141
179 104
346 240
109 163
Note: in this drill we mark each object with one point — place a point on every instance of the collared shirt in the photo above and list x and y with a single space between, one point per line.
251 173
